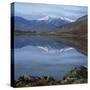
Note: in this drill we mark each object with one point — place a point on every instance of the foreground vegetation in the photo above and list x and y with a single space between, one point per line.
75 76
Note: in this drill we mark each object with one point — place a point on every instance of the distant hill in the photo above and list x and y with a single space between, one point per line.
80 25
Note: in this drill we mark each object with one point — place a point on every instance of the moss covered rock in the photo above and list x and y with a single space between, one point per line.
75 76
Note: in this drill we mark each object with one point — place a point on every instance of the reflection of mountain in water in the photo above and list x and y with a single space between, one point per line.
40 55
42 41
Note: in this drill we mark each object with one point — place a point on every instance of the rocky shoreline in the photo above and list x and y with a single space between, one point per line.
76 76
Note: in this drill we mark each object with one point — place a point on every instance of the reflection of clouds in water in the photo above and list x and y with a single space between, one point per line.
66 49
49 55
46 49
43 48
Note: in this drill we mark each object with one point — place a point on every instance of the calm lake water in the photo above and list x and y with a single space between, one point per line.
45 56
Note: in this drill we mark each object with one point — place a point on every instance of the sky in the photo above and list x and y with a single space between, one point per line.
32 11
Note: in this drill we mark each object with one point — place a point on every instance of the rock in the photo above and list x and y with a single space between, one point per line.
26 78
77 75
48 78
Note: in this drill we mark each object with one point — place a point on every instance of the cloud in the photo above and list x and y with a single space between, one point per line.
34 10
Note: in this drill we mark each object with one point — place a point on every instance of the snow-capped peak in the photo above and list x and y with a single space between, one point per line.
67 19
44 18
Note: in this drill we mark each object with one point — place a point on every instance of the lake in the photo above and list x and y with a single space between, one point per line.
45 56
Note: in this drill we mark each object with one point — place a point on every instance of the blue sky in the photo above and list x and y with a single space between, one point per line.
34 11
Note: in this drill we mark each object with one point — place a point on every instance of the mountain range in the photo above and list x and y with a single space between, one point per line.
43 24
